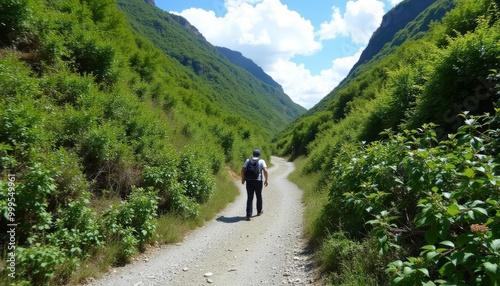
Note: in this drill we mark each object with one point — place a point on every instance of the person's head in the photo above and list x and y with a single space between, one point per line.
256 153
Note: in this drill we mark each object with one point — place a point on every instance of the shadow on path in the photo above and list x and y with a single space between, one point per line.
230 219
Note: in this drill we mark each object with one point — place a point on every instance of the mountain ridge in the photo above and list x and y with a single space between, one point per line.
387 37
238 59
233 87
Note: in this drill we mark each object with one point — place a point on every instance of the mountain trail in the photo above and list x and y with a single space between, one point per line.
268 250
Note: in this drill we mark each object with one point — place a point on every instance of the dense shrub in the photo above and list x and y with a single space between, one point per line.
77 229
135 216
437 199
13 14
195 177
38 265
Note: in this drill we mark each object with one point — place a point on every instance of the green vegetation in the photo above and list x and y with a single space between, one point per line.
223 83
406 152
107 145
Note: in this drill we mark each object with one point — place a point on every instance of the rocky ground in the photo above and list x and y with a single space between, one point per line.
268 250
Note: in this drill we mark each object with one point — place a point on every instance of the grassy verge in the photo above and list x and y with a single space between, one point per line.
170 228
313 197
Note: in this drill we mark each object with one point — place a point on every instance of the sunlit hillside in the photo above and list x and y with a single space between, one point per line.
226 85
111 141
404 156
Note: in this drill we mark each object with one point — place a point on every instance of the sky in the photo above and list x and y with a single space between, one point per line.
308 47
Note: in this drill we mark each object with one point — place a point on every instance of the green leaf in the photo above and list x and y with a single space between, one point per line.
448 243
431 236
450 166
447 268
493 270
408 271
469 173
495 245
428 247
424 271
453 210
481 211
398 281
429 256
493 202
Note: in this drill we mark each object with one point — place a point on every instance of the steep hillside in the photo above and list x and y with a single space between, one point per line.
409 20
107 143
232 87
406 15
404 157
368 76
238 59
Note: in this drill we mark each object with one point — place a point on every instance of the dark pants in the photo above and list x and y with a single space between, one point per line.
254 186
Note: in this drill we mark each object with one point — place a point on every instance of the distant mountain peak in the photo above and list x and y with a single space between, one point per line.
185 23
238 59
150 2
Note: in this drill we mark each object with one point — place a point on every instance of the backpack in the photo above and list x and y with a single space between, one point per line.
252 171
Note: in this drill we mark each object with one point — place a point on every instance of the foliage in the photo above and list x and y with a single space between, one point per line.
77 229
39 263
415 192
135 216
409 157
93 114
226 85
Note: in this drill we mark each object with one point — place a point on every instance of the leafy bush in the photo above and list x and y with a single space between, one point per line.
13 13
166 182
32 200
195 177
39 264
459 77
137 213
77 229
93 58
440 197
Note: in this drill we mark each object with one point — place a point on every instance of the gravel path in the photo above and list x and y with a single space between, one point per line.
268 250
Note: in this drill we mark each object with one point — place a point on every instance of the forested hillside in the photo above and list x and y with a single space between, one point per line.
409 20
238 59
226 84
107 142
405 154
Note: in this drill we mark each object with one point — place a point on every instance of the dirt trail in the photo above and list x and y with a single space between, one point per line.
268 250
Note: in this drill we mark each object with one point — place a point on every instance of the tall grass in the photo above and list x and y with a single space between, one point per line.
314 199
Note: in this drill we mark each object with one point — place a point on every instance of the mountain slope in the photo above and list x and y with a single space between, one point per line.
233 87
402 160
238 59
108 144
403 16
409 20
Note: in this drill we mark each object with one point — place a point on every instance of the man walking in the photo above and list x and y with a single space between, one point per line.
252 173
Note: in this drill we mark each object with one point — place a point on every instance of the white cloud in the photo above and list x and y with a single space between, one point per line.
360 20
262 32
307 89
395 2
270 34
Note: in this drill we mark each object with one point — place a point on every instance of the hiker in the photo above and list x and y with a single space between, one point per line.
252 173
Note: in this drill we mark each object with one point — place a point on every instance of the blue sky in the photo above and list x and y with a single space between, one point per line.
306 46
